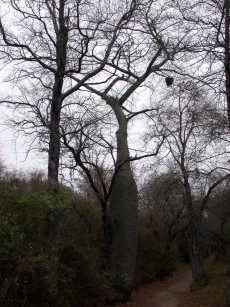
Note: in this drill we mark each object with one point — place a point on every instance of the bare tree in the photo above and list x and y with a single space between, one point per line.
162 197
112 50
46 43
192 146
211 19
144 50
218 221
94 155
209 56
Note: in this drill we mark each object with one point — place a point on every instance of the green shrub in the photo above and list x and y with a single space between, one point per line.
23 246
82 279
11 237
11 247
155 259
28 283
213 293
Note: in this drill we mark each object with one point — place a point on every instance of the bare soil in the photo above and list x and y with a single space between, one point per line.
168 293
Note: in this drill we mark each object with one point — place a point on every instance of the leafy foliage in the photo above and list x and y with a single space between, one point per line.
11 237
214 293
23 248
84 274
156 258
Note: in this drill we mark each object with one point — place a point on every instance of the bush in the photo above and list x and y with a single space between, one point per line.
155 259
11 237
214 292
82 279
11 248
28 282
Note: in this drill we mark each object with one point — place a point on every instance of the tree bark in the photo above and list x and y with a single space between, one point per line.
193 231
53 231
122 212
226 9
227 55
194 249
228 273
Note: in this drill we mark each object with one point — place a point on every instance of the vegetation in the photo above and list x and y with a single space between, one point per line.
84 274
24 247
86 74
213 293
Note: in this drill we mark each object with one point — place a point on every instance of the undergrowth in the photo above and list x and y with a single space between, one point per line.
213 293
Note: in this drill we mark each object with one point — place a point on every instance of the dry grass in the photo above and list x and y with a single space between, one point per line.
214 293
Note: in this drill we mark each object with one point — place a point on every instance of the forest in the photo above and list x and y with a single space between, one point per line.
129 103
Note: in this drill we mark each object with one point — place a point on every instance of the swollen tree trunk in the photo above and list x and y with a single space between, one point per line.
122 212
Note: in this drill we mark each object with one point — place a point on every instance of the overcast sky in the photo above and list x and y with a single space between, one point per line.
14 152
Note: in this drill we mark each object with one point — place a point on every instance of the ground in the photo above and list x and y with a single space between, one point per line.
167 293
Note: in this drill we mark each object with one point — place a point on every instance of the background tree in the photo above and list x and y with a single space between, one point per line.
93 153
211 21
218 221
144 40
105 58
191 126
56 40
162 198
162 216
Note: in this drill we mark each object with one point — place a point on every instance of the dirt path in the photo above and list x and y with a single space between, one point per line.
167 293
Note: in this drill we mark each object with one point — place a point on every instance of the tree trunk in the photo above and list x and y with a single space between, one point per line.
227 56
53 232
228 273
227 86
193 232
122 213
194 249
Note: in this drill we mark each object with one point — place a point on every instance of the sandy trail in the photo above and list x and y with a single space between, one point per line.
168 293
